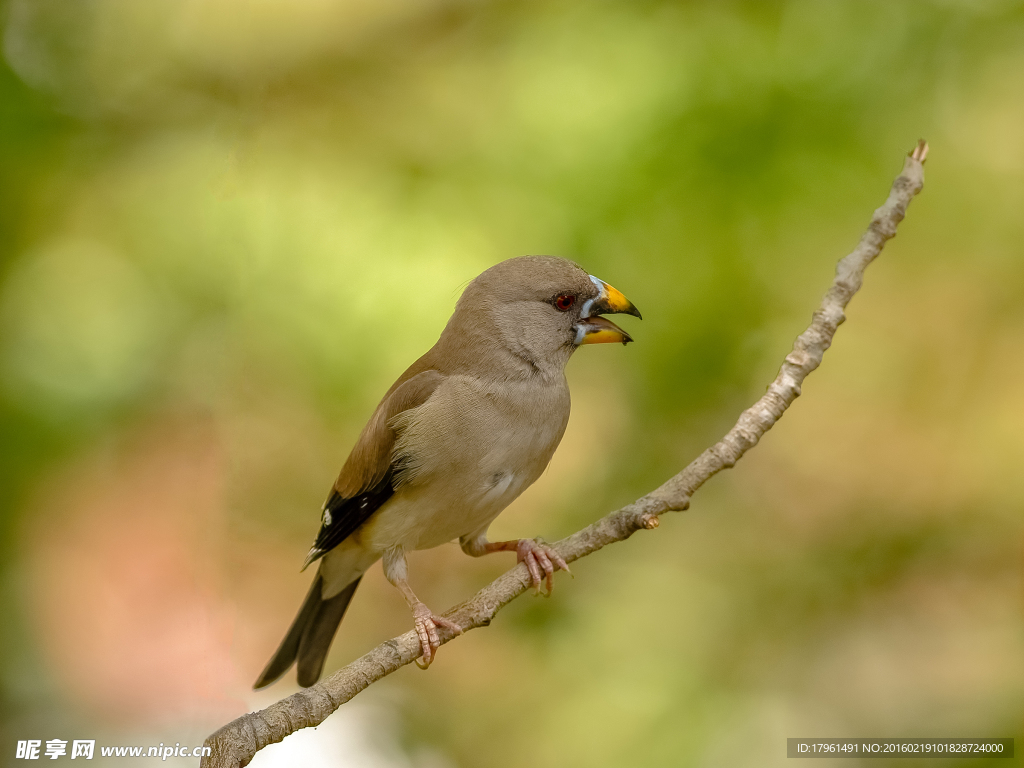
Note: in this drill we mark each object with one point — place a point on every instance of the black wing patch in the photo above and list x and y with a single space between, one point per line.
342 516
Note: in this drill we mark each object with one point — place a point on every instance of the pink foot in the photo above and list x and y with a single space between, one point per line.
426 624
538 557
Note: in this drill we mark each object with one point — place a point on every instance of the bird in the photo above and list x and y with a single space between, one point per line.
460 435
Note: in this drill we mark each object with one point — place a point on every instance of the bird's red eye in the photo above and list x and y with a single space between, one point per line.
565 302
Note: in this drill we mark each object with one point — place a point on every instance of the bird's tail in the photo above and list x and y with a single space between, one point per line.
310 636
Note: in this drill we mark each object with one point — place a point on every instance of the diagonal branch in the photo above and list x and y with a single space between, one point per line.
236 743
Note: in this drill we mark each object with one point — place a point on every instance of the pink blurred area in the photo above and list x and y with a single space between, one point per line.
124 550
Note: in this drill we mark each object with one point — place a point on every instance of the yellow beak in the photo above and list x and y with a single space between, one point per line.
597 330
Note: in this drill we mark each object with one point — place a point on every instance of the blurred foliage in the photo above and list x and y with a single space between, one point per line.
227 226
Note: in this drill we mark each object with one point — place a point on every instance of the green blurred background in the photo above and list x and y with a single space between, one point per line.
226 226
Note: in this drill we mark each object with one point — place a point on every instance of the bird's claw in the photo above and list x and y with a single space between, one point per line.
540 558
426 623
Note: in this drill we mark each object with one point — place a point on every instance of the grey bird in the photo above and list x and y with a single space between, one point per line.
465 430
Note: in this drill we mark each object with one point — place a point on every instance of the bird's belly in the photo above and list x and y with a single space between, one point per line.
424 517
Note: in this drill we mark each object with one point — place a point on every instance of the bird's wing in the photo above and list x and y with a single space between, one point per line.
365 482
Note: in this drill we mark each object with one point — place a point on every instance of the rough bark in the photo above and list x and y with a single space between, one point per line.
237 742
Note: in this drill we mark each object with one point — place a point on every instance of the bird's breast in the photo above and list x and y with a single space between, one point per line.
466 454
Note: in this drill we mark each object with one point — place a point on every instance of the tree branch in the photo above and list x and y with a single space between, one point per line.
237 742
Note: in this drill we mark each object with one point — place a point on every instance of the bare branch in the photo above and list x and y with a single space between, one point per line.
236 743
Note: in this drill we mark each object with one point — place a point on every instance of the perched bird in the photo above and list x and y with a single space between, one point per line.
465 430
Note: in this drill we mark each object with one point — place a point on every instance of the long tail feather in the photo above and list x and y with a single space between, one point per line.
309 637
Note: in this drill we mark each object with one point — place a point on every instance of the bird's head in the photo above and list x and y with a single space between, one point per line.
541 309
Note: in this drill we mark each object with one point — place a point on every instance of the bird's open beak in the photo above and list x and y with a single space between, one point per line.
597 330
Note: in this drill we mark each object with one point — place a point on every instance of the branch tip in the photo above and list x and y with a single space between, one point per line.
920 152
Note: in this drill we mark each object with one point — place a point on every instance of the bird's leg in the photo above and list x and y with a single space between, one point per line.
536 553
424 620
